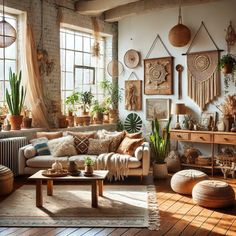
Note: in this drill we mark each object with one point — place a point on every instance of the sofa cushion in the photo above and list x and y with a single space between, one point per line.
133 135
98 146
46 161
81 144
30 152
91 134
42 149
63 146
129 145
49 135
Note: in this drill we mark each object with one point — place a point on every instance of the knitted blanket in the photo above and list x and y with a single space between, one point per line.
117 164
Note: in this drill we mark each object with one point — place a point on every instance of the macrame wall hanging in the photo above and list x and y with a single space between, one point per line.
203 73
133 93
158 72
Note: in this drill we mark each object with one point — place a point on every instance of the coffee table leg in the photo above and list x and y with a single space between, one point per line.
100 187
50 187
39 194
94 194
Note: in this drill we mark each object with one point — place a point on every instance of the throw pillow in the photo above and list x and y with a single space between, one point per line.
115 138
42 149
38 140
98 146
30 152
133 135
139 153
129 145
92 134
49 135
63 146
81 144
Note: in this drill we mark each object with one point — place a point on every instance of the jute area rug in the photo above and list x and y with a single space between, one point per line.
70 206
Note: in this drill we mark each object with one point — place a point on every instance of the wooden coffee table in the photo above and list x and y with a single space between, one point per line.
96 182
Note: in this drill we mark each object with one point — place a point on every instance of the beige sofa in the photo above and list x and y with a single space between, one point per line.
137 166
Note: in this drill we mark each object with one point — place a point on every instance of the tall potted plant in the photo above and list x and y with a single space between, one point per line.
160 143
15 100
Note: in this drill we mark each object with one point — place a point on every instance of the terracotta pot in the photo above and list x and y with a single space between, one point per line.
113 116
62 122
98 118
88 169
70 113
27 123
87 120
160 171
79 120
15 122
227 69
105 117
70 120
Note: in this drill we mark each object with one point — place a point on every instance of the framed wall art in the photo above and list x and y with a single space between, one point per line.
158 76
157 108
133 95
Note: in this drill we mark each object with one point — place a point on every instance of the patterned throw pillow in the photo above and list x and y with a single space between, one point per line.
81 144
98 146
129 145
115 138
49 135
133 135
42 149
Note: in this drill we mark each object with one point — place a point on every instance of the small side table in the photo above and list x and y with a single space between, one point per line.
6 180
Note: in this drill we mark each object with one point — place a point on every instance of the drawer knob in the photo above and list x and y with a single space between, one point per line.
201 138
226 139
179 136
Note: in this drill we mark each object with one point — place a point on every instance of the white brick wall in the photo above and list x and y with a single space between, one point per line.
51 42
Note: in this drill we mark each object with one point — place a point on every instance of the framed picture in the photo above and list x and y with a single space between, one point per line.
207 120
158 76
133 95
157 108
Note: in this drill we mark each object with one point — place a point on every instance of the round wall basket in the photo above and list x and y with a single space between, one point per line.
115 68
131 58
179 35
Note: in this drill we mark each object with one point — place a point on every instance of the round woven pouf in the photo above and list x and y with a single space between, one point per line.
6 180
213 194
184 180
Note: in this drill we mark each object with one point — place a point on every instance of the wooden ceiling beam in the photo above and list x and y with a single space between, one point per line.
144 6
96 7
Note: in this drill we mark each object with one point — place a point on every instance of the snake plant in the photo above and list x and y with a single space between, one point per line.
160 142
15 100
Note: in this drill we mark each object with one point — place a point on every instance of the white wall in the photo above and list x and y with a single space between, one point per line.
138 32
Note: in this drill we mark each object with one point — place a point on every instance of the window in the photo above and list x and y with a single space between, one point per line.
80 71
8 59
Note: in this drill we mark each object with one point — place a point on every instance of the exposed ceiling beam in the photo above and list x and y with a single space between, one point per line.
144 6
96 7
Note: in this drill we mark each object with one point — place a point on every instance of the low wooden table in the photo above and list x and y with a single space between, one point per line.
96 183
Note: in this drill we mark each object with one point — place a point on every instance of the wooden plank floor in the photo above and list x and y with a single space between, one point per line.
179 216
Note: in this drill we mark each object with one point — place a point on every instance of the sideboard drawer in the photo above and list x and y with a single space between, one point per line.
225 139
201 137
179 136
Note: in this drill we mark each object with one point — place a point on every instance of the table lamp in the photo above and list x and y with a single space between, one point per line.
178 109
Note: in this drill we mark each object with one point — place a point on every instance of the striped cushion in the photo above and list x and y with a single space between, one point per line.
42 149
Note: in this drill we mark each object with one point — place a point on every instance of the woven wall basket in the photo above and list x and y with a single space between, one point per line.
179 35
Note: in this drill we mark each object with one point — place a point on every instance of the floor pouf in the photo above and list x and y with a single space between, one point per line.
213 194
184 180
6 180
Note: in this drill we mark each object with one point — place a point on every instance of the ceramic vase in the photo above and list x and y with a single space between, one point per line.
57 166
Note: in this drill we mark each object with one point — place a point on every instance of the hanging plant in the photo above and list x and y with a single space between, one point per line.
133 123
227 64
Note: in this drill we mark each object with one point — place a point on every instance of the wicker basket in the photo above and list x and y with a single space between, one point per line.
203 161
6 180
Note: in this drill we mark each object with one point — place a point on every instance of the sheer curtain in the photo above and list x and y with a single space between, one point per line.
31 76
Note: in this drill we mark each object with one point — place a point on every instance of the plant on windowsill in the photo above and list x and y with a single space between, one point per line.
15 100
113 95
71 101
97 110
160 144
88 166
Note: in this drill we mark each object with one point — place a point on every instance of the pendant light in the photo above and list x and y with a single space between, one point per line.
7 32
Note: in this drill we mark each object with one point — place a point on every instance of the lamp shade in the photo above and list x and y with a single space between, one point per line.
178 109
7 34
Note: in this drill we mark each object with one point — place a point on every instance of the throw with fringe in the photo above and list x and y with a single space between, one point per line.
117 164
203 77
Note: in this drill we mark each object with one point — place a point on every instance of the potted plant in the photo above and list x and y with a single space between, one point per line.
97 112
113 95
71 101
15 100
227 64
88 166
160 144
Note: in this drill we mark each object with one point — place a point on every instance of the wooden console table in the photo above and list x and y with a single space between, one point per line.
208 137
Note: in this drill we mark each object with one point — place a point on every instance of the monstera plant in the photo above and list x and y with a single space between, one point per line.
15 100
133 123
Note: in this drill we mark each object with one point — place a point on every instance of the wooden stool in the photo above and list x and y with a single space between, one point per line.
6 180
213 194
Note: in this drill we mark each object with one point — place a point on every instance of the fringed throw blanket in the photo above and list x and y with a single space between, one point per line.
117 165
203 77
